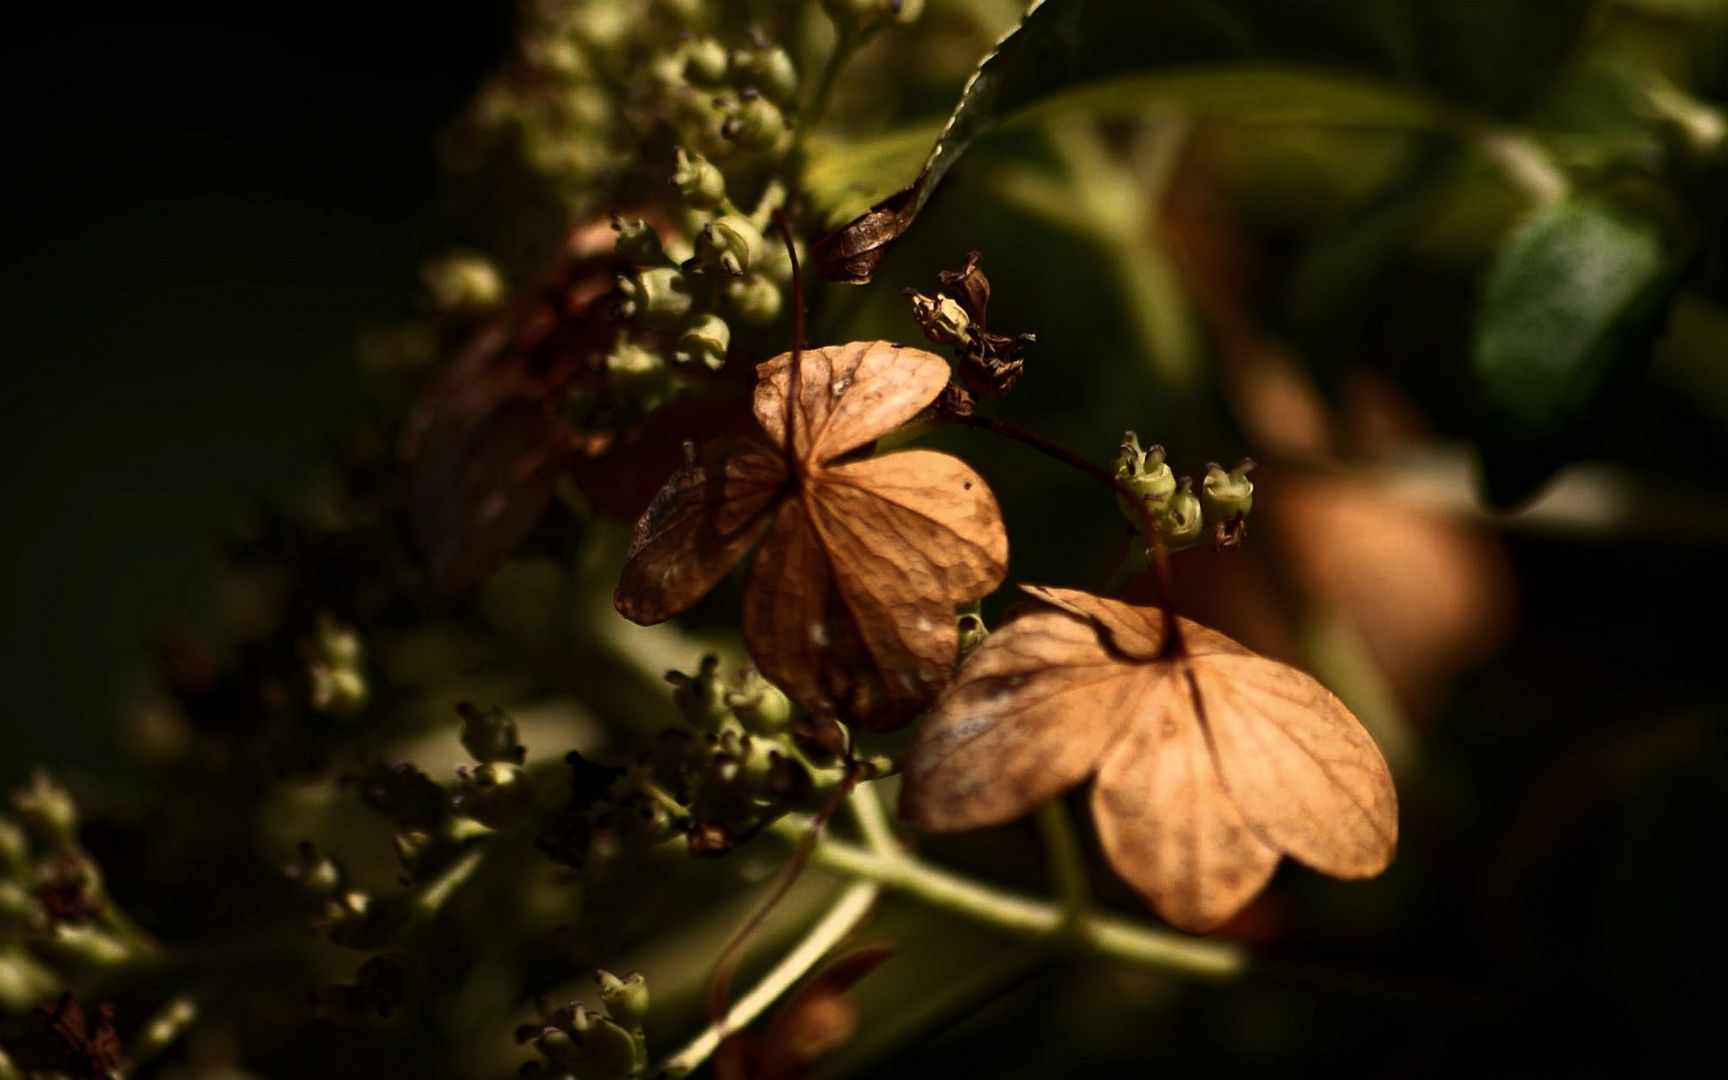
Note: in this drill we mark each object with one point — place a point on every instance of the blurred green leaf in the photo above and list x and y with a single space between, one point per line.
1485 58
1571 306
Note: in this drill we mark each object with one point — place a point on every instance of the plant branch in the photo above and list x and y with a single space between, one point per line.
1067 864
1105 935
844 916
873 821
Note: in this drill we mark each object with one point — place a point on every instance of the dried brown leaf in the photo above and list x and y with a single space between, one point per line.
1211 761
850 606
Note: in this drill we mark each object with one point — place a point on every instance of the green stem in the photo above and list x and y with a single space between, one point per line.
844 916
1105 935
439 889
1067 864
872 820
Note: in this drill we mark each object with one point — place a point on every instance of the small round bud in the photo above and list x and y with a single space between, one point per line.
767 69
1227 494
638 242
972 632
759 705
698 181
497 794
754 299
731 242
316 873
490 735
756 125
48 811
1182 523
20 912
705 60
337 684
705 342
463 282
942 319
629 362
702 697
14 849
658 298
625 998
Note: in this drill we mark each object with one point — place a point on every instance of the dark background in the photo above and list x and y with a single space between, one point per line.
205 208
203 212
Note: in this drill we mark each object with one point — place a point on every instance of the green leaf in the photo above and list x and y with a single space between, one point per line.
1489 58
1570 309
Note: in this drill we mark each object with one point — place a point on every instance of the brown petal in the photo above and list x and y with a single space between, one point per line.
1028 716
1164 819
801 634
925 525
1299 766
848 395
697 528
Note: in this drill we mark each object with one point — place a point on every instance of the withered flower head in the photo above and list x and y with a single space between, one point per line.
1210 761
850 604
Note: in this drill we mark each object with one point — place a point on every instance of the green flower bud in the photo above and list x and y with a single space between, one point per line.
705 342
353 920
972 632
756 125
497 794
626 998
316 873
20 911
638 242
658 298
48 811
1227 494
14 849
463 282
942 319
702 697
768 69
759 705
698 181
754 299
731 242
705 60
592 1047
337 684
490 735
644 818
1182 522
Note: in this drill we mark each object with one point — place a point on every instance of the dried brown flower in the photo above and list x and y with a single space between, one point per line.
1210 761
850 604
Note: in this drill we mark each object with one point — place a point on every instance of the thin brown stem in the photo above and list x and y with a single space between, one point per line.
794 375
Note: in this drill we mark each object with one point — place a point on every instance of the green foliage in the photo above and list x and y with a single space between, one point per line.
1569 311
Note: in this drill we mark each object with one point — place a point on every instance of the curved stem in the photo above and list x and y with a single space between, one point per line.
1067 864
844 916
873 821
1105 935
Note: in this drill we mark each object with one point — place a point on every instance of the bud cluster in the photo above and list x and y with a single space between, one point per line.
54 904
595 1044
1181 516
